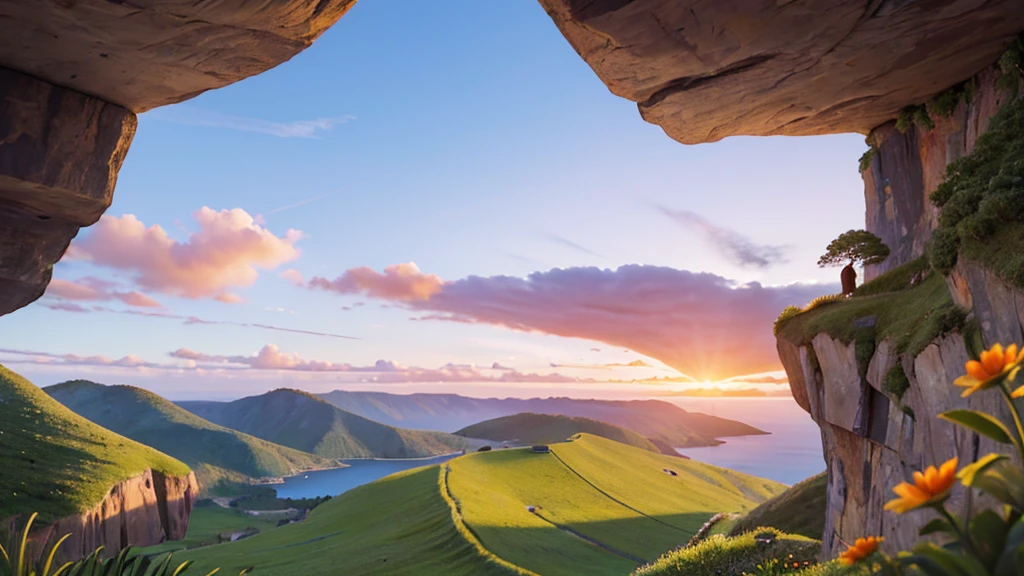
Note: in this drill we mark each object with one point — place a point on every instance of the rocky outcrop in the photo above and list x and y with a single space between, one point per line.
704 70
873 439
73 73
140 55
59 156
148 509
907 167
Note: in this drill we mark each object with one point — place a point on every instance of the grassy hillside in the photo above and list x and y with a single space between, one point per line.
799 510
217 454
305 422
399 525
604 507
652 419
546 429
57 463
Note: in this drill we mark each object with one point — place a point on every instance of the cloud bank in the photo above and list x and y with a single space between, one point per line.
701 324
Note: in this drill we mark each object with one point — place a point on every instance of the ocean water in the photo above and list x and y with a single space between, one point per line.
359 472
789 454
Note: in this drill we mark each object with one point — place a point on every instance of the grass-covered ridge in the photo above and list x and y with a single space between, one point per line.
799 510
910 317
219 456
546 429
602 507
399 525
58 463
305 422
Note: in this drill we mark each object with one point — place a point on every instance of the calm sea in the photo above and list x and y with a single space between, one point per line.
359 472
789 454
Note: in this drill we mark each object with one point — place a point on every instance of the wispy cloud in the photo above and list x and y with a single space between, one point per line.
738 248
570 244
186 320
193 116
309 200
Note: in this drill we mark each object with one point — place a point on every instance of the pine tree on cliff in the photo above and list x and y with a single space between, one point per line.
852 247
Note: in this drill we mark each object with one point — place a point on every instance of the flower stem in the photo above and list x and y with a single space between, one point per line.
964 537
1016 418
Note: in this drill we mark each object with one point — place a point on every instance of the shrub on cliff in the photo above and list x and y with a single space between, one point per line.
982 201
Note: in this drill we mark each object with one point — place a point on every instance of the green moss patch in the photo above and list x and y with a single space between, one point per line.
896 382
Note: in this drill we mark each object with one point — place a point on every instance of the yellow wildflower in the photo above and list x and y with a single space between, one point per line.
993 367
929 488
860 550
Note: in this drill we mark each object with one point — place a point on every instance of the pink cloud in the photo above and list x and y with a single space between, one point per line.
96 290
129 361
229 298
226 252
701 324
401 282
294 276
270 357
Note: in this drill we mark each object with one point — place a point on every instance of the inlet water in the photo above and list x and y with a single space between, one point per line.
338 481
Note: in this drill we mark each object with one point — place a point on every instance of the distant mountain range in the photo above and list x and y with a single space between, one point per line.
663 423
547 429
305 422
219 456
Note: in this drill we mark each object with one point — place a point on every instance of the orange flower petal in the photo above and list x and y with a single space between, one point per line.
1011 354
1018 393
976 370
993 359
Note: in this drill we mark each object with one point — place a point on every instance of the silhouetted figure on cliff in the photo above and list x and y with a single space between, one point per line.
849 278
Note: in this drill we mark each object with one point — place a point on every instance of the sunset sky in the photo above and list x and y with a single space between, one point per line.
427 201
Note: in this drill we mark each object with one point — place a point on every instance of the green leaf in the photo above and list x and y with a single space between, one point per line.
981 423
1013 546
954 564
988 532
937 526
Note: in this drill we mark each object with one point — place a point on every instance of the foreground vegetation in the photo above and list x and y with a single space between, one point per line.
57 463
223 459
760 552
799 510
530 428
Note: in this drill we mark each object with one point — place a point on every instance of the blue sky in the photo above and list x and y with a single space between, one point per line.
467 137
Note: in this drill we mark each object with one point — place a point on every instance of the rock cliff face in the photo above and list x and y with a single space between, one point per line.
72 76
874 439
907 168
705 69
148 509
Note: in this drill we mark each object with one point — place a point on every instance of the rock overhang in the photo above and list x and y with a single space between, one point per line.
706 69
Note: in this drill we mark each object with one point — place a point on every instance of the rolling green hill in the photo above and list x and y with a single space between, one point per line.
602 508
57 463
799 510
546 429
219 456
399 525
302 421
655 420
